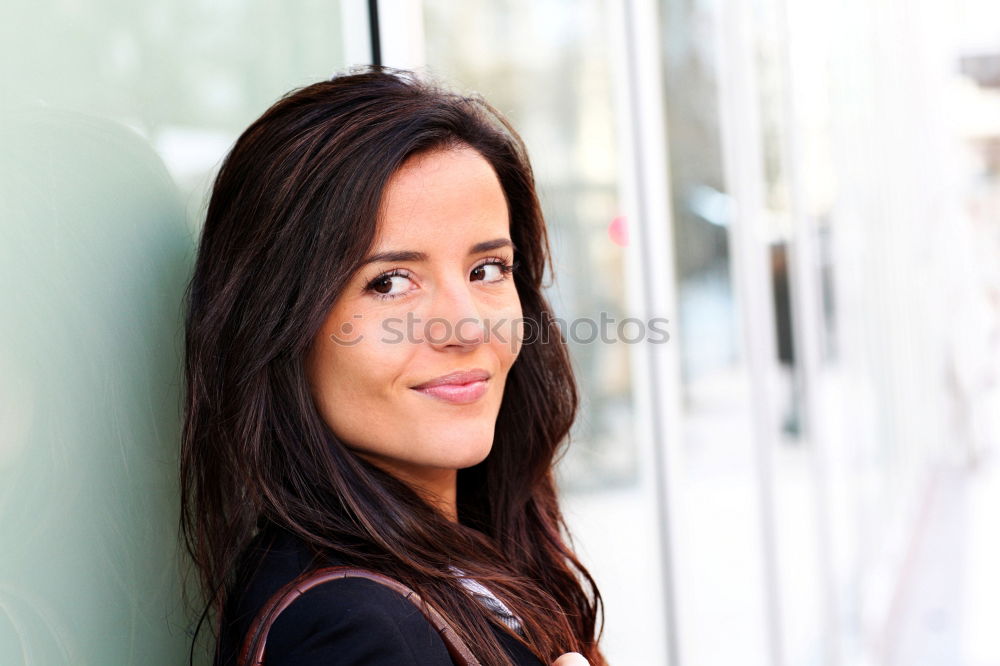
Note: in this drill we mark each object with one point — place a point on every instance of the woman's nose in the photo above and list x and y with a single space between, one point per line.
454 319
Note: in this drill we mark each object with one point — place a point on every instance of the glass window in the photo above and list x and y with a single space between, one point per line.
719 567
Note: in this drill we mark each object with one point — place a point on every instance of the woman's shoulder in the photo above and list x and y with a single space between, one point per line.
348 621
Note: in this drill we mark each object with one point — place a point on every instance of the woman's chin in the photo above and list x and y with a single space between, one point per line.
463 454
478 458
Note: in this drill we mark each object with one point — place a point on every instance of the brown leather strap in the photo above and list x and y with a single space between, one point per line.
252 653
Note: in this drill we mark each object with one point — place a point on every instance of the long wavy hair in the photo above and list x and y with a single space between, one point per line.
292 215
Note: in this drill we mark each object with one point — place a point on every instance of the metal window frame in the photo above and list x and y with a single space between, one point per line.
644 182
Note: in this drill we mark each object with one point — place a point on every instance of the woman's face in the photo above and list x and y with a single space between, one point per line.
436 298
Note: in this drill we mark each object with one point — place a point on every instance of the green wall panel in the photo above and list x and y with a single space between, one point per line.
113 119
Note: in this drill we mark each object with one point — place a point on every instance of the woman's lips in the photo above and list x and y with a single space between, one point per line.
459 387
456 393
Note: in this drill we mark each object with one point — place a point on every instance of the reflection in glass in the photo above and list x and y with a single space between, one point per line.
187 75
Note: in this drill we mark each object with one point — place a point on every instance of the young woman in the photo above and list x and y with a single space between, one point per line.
375 379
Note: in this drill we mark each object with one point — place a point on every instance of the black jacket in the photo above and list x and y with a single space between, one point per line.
347 622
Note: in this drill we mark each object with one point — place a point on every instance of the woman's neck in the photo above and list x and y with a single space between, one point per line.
437 486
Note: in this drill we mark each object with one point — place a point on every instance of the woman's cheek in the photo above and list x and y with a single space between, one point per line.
509 331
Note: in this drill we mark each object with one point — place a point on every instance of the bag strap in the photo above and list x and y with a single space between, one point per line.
252 653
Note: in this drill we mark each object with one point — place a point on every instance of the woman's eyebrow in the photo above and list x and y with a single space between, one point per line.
410 255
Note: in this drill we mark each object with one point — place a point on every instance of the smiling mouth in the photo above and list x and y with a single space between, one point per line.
456 378
459 394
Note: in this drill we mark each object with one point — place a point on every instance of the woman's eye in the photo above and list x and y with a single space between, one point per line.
494 270
389 285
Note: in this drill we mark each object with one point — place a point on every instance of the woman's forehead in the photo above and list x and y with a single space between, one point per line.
445 197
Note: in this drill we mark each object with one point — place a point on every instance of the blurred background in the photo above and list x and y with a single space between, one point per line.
804 473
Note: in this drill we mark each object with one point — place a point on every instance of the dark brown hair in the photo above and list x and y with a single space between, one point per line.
292 215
